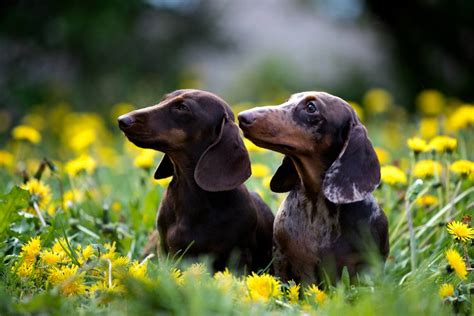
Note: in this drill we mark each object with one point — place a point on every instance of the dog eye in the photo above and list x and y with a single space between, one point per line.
182 107
311 107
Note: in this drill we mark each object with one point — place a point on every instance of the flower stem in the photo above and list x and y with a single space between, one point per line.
40 216
412 235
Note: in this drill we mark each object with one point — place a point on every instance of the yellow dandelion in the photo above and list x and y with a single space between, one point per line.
392 175
58 248
6 159
442 144
195 271
430 102
86 253
224 280
314 292
293 293
177 276
120 261
377 101
25 270
83 163
26 133
429 127
67 278
463 168
446 290
82 139
461 118
138 270
145 160
252 148
40 192
103 286
260 170
110 254
427 200
427 168
382 155
417 145
72 197
31 249
50 258
457 263
460 231
263 287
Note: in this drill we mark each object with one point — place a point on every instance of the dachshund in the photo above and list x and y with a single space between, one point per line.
206 210
329 220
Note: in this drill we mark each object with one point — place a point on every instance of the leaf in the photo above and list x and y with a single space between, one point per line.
10 203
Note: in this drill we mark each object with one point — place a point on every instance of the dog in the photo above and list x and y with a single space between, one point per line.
329 219
206 210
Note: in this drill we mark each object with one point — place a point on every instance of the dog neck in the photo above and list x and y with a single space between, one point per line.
310 171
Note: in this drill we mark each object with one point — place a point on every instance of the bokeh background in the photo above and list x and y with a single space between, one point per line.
94 54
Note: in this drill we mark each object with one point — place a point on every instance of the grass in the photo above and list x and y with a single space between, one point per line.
98 203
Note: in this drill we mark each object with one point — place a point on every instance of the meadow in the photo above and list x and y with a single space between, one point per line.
78 201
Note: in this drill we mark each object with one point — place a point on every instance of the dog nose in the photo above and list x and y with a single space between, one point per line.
125 121
246 118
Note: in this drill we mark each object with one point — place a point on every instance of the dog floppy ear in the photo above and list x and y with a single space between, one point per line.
165 169
225 164
285 177
356 172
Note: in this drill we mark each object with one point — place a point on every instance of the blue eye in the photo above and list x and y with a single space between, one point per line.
311 107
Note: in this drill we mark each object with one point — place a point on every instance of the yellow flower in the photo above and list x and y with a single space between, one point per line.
25 270
263 287
443 144
82 139
177 276
462 167
86 253
460 231
145 160
224 280
427 200
72 197
382 155
83 163
318 295
428 127
260 170
195 271
26 133
293 293
427 168
31 249
81 130
392 175
138 270
6 159
70 282
358 109
430 102
461 118
103 286
377 101
40 192
457 263
446 290
417 145
251 147
50 258
162 182
120 261
110 254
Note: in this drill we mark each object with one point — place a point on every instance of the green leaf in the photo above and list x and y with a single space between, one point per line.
10 203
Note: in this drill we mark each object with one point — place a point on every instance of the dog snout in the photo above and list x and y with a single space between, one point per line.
246 118
125 121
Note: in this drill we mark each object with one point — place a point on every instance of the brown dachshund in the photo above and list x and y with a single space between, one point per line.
330 219
206 206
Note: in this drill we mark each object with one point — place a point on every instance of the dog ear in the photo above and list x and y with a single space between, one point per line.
356 172
225 164
285 177
165 169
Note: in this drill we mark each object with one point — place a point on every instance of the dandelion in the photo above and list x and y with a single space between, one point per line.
428 127
427 168
145 160
224 280
26 133
25 270
463 168
417 145
461 118
6 159
293 293
72 197
50 258
457 263
260 170
382 155
392 175
377 101
427 200
430 102
442 144
39 192
31 249
252 148
195 271
263 287
83 163
82 139
460 231
110 254
446 290
138 270
69 281
86 253
103 286
314 292
120 261
177 276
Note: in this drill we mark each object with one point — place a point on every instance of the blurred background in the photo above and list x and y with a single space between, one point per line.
92 55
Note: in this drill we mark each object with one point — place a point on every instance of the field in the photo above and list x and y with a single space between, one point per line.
78 202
